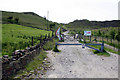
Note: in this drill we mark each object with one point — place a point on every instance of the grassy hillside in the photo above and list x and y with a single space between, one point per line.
81 25
18 29
29 19
105 31
16 37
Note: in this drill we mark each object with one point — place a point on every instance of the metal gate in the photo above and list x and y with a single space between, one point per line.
87 45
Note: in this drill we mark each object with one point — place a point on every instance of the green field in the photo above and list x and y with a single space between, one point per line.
29 19
16 37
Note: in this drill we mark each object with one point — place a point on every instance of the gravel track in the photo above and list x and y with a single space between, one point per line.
77 62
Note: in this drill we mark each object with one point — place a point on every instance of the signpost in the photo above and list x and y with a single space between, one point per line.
87 33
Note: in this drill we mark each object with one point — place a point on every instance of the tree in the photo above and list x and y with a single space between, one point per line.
112 35
52 25
16 20
117 36
99 33
10 19
106 36
103 34
44 18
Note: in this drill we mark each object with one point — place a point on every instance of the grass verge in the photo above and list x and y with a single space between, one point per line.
104 53
110 50
107 49
50 44
112 44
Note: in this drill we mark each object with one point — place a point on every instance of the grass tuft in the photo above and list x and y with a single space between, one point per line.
56 49
104 53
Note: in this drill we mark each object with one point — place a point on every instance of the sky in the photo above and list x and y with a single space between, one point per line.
65 11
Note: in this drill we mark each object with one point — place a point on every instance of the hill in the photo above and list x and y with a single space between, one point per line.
29 19
86 24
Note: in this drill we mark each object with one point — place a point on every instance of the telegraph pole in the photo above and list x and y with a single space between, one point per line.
47 18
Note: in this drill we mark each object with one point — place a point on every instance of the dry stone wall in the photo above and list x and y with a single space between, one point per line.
19 59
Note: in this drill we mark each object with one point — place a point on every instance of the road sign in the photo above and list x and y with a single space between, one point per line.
87 33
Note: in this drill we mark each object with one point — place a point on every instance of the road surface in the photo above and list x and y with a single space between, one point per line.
76 62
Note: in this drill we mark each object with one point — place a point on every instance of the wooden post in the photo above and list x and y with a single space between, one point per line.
84 39
46 36
90 38
111 40
40 38
107 39
28 44
49 35
52 34
74 36
79 36
32 40
102 38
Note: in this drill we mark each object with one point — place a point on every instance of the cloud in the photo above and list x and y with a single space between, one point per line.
65 11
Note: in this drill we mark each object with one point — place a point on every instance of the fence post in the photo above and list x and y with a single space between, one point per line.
74 36
32 40
90 38
55 35
45 37
40 38
102 38
52 34
49 35
111 40
84 39
102 46
79 36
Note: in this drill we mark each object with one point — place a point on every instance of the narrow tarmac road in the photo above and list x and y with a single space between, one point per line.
77 62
